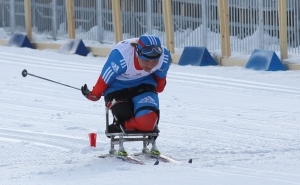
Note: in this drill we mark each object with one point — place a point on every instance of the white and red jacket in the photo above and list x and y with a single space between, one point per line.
122 70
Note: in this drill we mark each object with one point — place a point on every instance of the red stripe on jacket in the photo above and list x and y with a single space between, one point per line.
99 87
161 83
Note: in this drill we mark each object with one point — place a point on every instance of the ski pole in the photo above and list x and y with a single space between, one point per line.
25 73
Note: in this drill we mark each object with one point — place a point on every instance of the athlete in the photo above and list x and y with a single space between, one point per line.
135 71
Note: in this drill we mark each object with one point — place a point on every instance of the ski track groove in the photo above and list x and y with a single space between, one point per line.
206 82
53 109
238 133
53 63
260 122
46 139
43 60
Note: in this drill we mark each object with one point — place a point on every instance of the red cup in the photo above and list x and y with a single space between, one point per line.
93 139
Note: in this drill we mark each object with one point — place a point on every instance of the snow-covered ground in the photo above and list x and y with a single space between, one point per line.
239 126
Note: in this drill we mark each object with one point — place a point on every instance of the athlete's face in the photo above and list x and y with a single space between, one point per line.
148 65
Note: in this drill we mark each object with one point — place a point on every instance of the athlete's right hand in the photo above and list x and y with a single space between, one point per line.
88 94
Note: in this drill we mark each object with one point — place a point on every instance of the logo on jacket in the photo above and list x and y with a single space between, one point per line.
114 66
148 99
125 75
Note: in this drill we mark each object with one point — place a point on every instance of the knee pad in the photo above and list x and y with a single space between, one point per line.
146 122
123 111
145 109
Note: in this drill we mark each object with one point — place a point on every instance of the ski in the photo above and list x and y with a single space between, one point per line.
159 157
164 158
128 158
105 155
132 158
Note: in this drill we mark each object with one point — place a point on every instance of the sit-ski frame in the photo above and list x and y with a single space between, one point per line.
127 136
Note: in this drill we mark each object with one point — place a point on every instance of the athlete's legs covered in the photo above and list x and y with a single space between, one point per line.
122 111
146 108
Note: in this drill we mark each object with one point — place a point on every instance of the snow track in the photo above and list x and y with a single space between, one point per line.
238 125
66 143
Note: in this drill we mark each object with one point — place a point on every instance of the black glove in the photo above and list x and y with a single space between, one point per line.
85 91
88 94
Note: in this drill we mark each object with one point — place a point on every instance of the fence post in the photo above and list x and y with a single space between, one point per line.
149 17
12 16
169 27
2 13
224 27
261 24
204 22
282 14
117 20
54 19
70 18
99 18
27 10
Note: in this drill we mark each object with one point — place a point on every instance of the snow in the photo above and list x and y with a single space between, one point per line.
239 126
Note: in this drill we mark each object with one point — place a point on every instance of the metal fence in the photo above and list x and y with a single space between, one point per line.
49 18
196 23
12 15
142 17
253 23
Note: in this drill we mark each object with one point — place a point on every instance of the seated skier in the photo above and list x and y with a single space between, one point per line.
135 71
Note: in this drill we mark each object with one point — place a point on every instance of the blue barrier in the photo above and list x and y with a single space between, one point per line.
19 40
74 46
197 56
264 60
